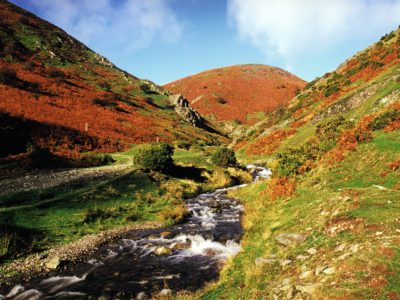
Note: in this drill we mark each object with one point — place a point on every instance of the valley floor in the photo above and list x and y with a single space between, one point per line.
54 216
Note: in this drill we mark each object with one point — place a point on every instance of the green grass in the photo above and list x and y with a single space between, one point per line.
59 212
344 190
194 157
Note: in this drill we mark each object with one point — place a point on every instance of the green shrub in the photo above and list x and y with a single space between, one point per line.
224 157
383 120
331 90
40 157
331 128
29 65
156 157
183 145
376 65
145 88
326 136
289 162
54 73
95 214
16 240
106 159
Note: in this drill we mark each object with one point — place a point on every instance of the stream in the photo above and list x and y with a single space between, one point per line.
154 262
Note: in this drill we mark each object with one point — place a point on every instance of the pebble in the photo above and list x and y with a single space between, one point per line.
290 239
309 289
259 261
305 274
329 271
302 257
286 262
312 251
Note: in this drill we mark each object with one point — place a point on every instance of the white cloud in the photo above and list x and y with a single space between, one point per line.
292 28
109 25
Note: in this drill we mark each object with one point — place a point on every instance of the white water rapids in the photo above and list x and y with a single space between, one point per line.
157 262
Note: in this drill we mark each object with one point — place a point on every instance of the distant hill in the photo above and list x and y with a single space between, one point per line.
242 93
58 94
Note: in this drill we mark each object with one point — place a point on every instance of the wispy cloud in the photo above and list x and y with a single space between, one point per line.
292 28
109 25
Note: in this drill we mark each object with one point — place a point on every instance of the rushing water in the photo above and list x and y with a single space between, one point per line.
154 262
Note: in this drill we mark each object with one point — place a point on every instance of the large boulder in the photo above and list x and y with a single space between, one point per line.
182 108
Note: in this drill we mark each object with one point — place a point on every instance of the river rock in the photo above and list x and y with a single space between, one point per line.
290 239
161 251
182 246
142 296
166 234
53 263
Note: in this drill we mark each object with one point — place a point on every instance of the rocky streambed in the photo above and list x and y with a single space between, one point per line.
154 262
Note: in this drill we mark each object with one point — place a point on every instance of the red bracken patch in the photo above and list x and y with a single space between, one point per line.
395 165
245 89
268 144
280 187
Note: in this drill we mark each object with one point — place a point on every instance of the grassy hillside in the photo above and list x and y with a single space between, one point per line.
242 93
326 226
60 95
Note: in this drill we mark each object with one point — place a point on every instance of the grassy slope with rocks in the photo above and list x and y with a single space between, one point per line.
335 195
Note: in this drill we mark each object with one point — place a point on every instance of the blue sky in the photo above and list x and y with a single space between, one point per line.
164 40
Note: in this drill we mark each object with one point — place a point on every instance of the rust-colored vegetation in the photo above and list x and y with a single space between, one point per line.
58 94
234 93
269 143
280 187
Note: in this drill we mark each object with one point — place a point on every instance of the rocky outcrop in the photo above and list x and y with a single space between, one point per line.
150 87
182 108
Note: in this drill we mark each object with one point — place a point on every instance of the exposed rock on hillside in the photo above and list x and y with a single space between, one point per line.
182 107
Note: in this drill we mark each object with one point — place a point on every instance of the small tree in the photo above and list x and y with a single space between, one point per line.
156 157
224 157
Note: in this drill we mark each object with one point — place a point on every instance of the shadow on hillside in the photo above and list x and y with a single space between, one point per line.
187 172
16 240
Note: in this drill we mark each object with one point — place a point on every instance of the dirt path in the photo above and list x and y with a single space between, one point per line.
48 179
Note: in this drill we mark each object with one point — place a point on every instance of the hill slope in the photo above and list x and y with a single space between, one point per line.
242 92
326 226
58 94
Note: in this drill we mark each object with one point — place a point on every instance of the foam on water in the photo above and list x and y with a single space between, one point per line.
56 283
189 256
15 290
28 295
